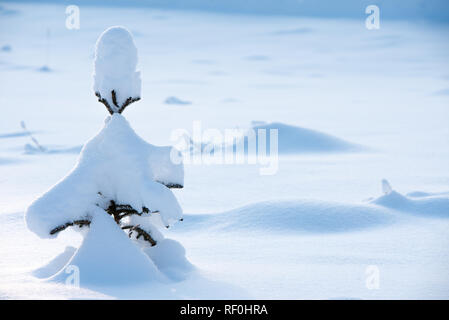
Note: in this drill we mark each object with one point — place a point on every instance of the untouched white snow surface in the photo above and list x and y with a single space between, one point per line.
313 229
312 216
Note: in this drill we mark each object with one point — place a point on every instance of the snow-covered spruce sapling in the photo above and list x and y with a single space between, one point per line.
117 173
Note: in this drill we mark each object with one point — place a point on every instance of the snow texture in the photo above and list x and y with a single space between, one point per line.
437 206
175 100
107 257
115 66
411 9
56 264
122 167
322 79
313 216
294 139
169 257
287 216
418 202
386 187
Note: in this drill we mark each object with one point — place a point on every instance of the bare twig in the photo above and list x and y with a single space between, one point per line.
114 99
172 185
116 108
41 148
105 102
127 103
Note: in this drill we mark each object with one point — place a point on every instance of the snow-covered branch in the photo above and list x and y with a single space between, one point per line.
115 107
105 102
140 233
79 223
127 103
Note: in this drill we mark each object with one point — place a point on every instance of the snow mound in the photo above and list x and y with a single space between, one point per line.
169 257
115 164
419 194
412 9
45 69
175 100
293 139
107 257
430 205
386 187
293 216
115 67
6 48
56 264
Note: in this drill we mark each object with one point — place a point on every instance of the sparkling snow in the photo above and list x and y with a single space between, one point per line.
314 229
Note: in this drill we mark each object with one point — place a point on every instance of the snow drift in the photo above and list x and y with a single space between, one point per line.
107 245
293 216
422 203
421 9
293 139
56 264
316 216
176 101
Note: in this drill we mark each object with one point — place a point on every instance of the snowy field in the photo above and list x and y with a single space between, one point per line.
376 103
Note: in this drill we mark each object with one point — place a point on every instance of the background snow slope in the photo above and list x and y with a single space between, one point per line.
396 9
385 89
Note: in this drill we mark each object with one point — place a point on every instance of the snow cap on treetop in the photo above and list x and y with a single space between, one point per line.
116 81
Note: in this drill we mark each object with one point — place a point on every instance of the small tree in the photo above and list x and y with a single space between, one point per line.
117 173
